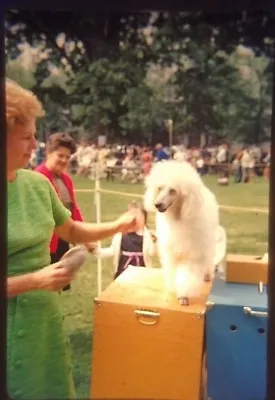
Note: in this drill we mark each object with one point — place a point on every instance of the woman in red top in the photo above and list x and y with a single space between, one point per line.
147 160
59 148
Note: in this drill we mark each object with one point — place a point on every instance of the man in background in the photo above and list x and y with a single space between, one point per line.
160 153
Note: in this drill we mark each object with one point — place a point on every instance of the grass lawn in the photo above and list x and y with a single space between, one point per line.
247 233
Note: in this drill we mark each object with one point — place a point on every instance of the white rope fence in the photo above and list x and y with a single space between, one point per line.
222 207
98 220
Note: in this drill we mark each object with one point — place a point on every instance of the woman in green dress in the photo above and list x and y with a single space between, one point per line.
38 354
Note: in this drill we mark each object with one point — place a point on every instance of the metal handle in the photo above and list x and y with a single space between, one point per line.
261 287
147 314
249 311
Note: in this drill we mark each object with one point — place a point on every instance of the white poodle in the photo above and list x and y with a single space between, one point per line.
190 241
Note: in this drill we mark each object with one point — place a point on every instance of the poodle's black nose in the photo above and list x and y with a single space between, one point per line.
160 207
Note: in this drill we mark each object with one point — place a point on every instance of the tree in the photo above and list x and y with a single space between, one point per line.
74 37
103 63
89 46
215 97
258 88
16 72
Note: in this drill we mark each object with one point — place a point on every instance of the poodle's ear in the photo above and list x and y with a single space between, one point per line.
192 200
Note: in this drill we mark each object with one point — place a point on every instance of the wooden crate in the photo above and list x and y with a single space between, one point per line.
246 269
145 344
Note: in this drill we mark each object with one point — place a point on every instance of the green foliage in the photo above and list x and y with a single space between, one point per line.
21 75
56 118
102 62
105 90
217 98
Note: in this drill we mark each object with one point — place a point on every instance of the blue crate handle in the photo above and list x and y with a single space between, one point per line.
252 313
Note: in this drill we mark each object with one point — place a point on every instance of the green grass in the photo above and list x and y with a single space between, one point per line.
247 233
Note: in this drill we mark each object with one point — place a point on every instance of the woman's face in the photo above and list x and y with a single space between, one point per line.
59 159
20 144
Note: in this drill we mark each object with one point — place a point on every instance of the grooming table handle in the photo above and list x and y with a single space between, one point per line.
146 317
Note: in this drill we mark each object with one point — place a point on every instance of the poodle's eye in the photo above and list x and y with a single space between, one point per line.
172 192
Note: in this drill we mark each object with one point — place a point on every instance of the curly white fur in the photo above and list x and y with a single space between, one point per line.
187 222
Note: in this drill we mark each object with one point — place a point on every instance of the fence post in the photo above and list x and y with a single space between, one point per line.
98 221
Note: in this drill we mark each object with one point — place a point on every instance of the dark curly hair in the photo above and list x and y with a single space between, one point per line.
57 140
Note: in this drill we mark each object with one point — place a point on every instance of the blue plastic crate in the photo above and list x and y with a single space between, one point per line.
236 339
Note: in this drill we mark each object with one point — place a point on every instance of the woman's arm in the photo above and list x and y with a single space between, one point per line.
52 278
20 284
83 232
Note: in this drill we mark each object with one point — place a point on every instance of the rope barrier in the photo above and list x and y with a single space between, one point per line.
97 198
223 207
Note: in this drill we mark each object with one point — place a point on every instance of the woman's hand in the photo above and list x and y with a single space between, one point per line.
54 277
127 222
91 247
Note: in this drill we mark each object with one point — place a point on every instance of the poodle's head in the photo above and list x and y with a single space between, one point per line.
172 187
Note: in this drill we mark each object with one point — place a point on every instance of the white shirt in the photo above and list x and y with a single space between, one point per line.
200 163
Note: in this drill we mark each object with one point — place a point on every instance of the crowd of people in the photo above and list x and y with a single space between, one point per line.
133 163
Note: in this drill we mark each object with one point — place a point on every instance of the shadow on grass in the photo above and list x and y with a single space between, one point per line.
81 345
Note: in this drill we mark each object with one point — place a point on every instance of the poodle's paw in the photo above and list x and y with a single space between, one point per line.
184 301
207 277
187 284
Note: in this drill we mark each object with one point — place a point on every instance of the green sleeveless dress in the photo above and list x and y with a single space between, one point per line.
38 353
